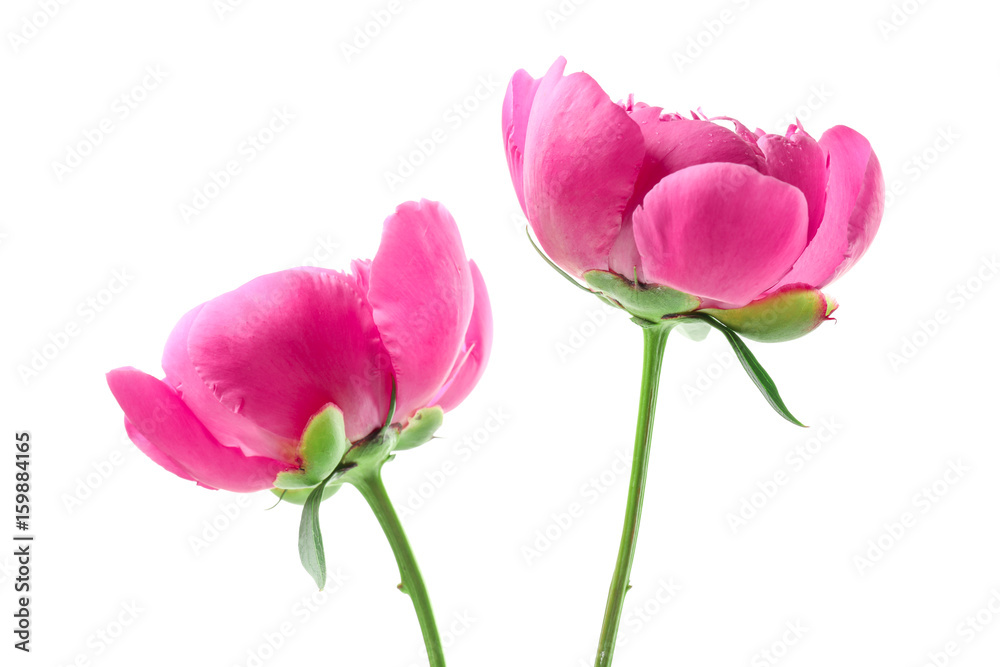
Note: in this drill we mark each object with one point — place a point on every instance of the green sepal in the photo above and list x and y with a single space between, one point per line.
785 315
373 450
649 302
323 445
420 429
753 368
299 496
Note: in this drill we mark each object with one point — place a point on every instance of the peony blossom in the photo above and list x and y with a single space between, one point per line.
247 372
727 217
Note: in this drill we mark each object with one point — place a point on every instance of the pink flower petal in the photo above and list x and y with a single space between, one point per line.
581 158
855 198
158 457
279 348
421 292
228 427
624 258
720 231
516 108
798 160
180 443
673 143
475 350
361 270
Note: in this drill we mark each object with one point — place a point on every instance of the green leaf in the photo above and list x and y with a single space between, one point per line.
323 445
311 551
650 302
752 367
420 429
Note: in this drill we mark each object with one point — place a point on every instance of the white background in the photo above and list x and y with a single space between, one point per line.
115 532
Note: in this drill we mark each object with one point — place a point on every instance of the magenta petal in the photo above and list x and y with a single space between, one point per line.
855 198
798 160
475 350
673 143
421 292
624 258
581 158
516 108
279 348
361 270
228 427
720 231
158 457
182 444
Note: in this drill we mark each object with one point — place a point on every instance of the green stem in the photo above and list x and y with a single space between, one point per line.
373 490
654 344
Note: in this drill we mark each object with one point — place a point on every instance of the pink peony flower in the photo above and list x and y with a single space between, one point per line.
247 371
727 216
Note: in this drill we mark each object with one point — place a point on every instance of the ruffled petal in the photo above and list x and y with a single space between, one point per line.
228 427
855 198
475 350
175 438
279 348
674 143
797 159
159 458
624 258
361 270
581 158
720 231
514 121
422 295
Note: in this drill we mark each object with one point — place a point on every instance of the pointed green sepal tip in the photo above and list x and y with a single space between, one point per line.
787 314
421 428
323 445
648 302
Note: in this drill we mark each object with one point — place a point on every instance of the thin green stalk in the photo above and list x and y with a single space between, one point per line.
373 490
654 344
